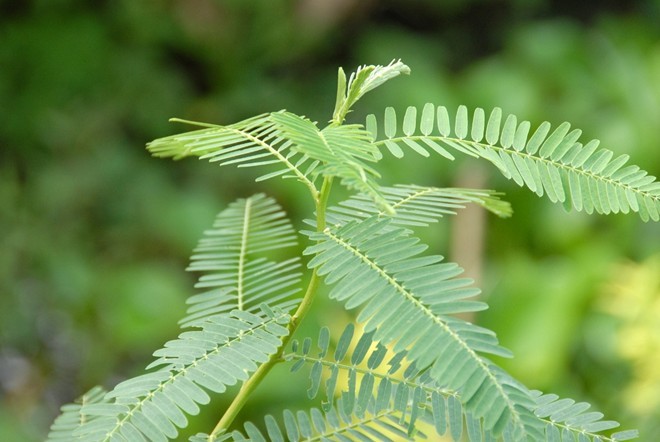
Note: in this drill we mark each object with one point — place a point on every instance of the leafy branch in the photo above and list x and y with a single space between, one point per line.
440 378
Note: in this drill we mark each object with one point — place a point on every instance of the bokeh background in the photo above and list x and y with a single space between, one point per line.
96 234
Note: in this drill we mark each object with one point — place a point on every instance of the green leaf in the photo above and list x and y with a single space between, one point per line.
537 138
571 419
221 353
509 131
455 413
625 435
461 128
390 122
344 342
493 127
315 377
340 101
428 117
342 151
551 143
255 142
417 205
404 293
443 121
478 125
410 121
582 177
236 274
363 80
520 137
334 425
377 75
72 416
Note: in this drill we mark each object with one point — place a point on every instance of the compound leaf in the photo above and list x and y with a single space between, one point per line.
583 177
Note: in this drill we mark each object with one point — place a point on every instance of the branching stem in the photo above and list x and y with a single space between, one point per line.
253 382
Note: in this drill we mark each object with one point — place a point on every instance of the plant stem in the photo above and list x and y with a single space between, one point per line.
251 384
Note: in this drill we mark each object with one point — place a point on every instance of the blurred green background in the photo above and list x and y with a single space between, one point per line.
96 234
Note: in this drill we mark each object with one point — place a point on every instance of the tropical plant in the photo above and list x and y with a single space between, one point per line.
408 367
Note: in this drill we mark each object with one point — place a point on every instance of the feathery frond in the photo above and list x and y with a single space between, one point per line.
369 366
566 419
254 142
236 274
223 352
341 150
72 416
417 205
413 393
405 300
368 359
583 177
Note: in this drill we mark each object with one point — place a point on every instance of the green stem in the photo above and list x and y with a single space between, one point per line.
251 384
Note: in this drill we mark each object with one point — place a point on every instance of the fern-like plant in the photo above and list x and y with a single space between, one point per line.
412 369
